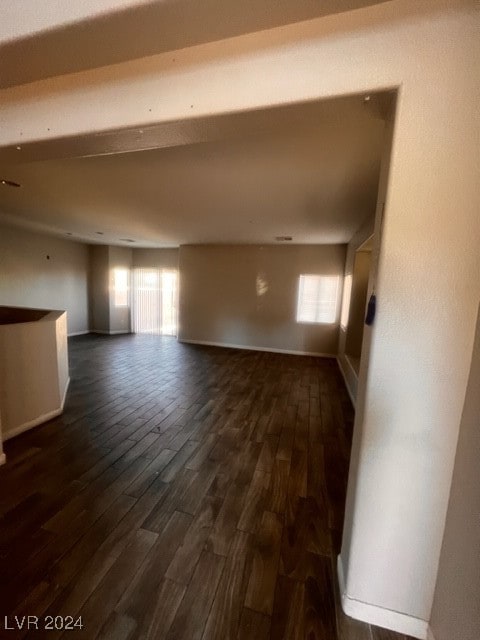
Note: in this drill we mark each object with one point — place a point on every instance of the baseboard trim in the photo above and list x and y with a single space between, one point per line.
373 614
45 417
109 333
77 333
3 459
347 384
227 345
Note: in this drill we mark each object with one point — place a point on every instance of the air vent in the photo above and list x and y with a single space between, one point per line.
283 238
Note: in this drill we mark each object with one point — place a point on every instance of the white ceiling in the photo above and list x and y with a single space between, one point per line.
307 171
58 36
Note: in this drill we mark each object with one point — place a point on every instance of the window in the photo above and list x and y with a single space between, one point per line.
155 307
317 299
120 287
347 292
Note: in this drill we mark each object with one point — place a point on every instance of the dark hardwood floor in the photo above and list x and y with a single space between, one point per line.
186 493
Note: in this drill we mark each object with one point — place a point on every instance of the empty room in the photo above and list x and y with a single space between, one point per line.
239 320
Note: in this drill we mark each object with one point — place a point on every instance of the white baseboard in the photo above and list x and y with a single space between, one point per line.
347 384
77 333
45 417
109 333
3 459
227 345
373 614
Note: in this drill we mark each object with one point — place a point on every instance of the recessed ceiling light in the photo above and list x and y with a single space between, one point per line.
9 183
283 238
19 148
366 99
126 240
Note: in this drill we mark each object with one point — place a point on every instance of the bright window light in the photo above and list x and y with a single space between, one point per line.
155 301
317 299
347 292
120 287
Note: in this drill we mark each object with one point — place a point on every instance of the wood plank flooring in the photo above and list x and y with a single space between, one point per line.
186 492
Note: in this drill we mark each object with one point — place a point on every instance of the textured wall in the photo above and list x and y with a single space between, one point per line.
428 286
155 258
455 612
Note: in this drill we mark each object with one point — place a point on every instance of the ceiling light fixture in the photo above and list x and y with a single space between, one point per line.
9 183
283 238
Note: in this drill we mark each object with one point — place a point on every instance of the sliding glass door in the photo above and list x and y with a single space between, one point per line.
154 301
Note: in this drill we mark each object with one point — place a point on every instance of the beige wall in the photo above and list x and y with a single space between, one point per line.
456 610
428 288
221 298
99 297
155 258
29 279
33 372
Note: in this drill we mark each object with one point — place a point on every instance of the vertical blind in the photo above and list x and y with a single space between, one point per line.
154 301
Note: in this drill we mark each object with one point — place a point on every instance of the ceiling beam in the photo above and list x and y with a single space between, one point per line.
246 73
66 37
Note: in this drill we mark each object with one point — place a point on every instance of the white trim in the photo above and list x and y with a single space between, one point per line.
373 614
45 417
347 383
32 423
3 459
77 333
109 333
245 347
